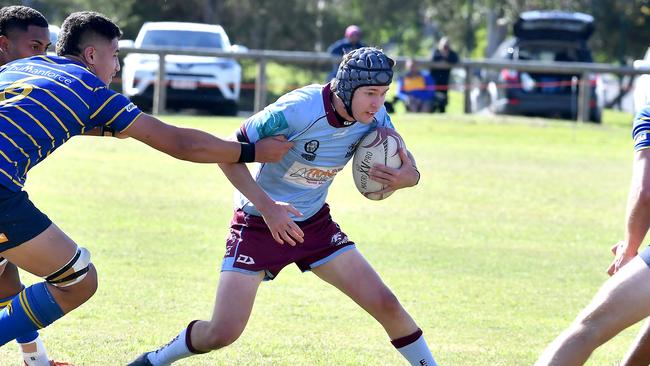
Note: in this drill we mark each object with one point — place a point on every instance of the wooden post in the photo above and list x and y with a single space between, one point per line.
260 86
467 89
160 88
584 96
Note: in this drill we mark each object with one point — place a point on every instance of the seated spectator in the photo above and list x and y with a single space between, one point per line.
416 89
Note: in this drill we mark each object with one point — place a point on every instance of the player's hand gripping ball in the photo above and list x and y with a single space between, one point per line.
380 146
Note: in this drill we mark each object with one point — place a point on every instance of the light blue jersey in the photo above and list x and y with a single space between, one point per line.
322 147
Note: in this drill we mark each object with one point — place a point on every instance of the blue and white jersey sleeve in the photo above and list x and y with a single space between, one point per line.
641 129
113 110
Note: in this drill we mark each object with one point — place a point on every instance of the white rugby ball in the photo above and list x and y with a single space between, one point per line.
380 146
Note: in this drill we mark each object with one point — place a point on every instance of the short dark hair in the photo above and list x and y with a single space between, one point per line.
20 17
77 27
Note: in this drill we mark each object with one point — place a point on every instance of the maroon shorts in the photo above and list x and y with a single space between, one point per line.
250 248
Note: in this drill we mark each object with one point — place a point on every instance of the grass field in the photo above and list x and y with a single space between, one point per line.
493 253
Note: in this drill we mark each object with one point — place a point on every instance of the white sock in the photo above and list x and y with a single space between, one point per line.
38 358
176 349
417 352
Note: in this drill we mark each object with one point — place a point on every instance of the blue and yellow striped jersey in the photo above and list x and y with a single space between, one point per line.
44 101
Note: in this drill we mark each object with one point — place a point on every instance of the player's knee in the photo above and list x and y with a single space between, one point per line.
219 337
387 304
77 276
591 331
88 285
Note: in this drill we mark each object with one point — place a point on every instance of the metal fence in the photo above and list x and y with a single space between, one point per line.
262 57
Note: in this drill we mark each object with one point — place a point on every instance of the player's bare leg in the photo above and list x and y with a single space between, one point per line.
233 305
232 309
623 300
42 256
353 275
639 352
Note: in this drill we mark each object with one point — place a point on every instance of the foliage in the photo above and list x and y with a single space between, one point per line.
407 27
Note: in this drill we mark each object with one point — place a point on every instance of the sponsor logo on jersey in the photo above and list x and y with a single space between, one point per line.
310 150
310 176
130 107
3 239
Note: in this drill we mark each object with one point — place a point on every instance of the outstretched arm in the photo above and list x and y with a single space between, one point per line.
201 147
637 214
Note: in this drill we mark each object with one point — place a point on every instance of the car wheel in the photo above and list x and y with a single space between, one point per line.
228 108
596 116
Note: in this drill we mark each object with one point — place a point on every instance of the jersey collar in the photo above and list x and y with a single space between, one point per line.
333 118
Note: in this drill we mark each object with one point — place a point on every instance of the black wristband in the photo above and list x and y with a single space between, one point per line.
247 153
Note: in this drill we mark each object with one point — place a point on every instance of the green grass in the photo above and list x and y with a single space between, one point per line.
504 240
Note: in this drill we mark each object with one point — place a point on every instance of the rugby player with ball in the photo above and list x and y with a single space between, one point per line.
281 216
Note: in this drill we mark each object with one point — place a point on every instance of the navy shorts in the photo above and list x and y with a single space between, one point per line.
250 247
20 220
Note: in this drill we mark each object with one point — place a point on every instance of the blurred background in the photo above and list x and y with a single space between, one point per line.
403 28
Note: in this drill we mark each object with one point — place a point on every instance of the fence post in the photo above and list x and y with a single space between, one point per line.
260 86
584 96
467 89
160 88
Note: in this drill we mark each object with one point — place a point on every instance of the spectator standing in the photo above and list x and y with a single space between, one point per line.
443 53
350 42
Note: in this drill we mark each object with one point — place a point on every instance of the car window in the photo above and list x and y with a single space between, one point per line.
546 53
182 39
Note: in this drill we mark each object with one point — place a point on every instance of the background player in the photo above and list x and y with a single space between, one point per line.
285 204
23 33
45 102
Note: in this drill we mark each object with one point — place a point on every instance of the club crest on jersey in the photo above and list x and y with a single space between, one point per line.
310 150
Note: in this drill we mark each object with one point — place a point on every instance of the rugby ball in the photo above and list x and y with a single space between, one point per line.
380 146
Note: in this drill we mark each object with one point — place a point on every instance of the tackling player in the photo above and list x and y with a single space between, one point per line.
45 101
624 299
285 204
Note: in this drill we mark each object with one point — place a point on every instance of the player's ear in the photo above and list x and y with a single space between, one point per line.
90 55
4 43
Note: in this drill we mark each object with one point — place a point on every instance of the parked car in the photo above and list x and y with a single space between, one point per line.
547 37
210 83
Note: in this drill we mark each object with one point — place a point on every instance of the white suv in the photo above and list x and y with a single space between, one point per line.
192 81
642 84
